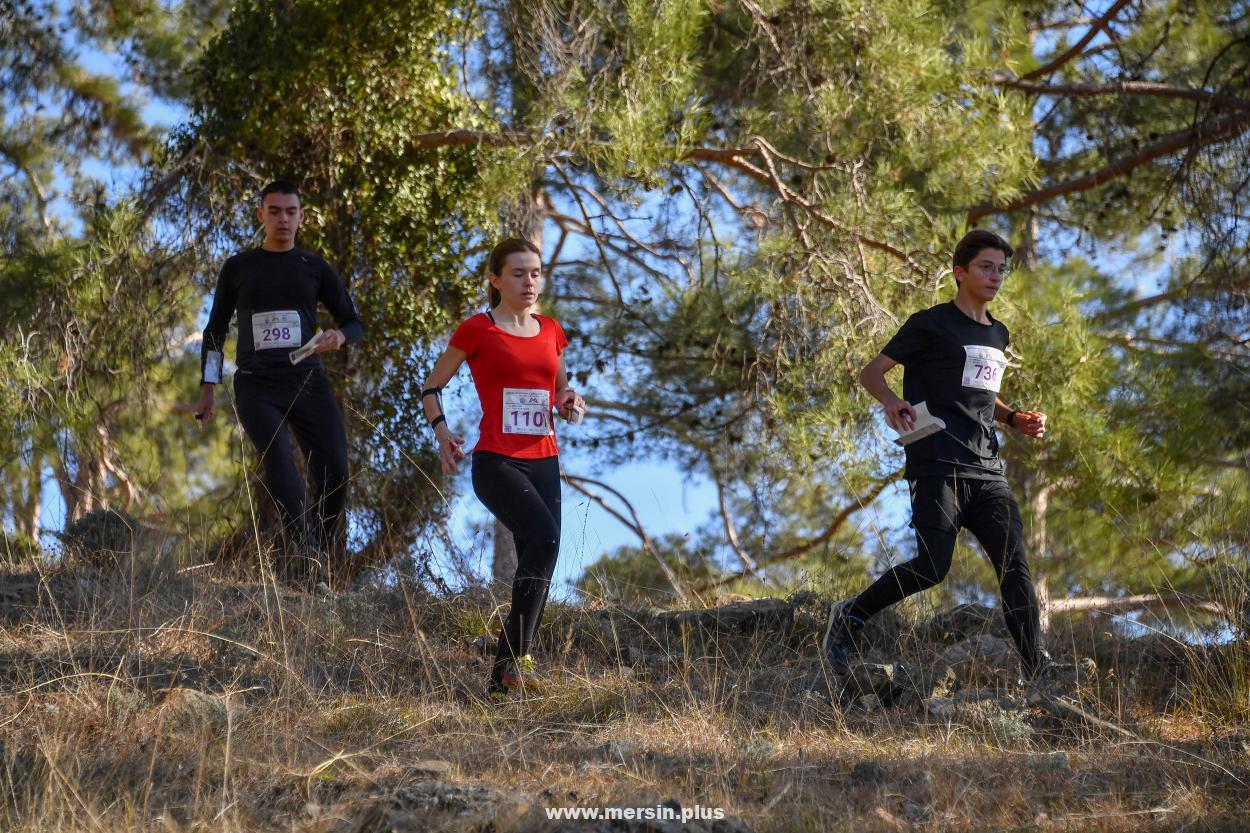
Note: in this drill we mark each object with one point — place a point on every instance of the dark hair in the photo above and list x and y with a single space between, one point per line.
976 241
278 186
499 256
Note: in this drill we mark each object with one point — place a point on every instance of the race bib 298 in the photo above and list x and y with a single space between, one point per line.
279 328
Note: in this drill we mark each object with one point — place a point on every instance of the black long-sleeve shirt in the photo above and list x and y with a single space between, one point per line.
275 295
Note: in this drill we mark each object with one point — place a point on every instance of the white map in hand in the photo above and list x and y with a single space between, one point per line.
926 424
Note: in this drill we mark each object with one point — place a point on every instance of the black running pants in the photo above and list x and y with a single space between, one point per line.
305 402
940 508
525 496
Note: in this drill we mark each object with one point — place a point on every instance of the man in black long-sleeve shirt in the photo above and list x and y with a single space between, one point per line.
275 290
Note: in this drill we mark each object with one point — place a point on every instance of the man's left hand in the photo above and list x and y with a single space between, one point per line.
330 340
1031 424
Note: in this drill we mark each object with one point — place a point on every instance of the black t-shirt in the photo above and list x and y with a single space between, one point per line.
955 365
275 295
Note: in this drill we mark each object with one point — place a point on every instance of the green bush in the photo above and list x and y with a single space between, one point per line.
101 534
17 548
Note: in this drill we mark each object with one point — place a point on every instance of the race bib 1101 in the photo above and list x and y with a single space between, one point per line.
278 328
527 411
983 367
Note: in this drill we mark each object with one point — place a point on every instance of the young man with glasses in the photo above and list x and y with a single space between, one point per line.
953 360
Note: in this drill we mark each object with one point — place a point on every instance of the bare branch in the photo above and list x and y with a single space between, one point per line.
1101 24
1129 88
748 563
853 506
634 526
1165 602
1208 133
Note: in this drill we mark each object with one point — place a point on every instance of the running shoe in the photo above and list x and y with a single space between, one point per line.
517 676
841 640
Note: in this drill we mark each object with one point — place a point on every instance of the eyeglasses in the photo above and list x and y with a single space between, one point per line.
988 266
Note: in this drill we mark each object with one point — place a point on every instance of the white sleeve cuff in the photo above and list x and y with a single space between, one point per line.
212 367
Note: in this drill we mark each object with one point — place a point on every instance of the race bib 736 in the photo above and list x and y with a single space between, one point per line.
983 367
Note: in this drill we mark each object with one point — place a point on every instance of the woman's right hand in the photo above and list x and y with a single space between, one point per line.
450 450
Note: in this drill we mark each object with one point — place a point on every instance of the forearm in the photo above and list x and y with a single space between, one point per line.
352 329
874 382
431 393
1001 411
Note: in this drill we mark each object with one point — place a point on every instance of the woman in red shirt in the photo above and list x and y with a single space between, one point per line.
515 356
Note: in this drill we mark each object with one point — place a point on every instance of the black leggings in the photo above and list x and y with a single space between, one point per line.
305 401
986 508
525 496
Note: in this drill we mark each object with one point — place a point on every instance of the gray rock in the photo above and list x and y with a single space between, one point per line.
431 769
868 772
485 645
961 622
941 708
886 681
629 655
982 646
187 709
981 661
914 812
617 750
867 703
1052 762
1009 728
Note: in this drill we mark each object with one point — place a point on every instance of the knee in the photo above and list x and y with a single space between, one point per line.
931 571
933 561
331 472
540 555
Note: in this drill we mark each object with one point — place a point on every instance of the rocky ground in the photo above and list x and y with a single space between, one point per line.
143 696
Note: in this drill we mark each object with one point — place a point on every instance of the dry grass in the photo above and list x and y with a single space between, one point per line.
141 697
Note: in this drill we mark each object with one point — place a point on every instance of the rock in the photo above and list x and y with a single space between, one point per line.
1052 762
941 708
916 813
988 648
868 772
425 805
961 622
485 645
126 700
100 535
867 703
186 709
885 681
1009 728
617 750
431 769
771 616
759 746
629 655
981 661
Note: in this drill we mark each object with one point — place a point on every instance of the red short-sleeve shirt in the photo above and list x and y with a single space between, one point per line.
515 379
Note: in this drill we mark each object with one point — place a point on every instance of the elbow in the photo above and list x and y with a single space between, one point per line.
864 377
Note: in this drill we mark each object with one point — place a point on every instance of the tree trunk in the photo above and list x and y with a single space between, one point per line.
1039 546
